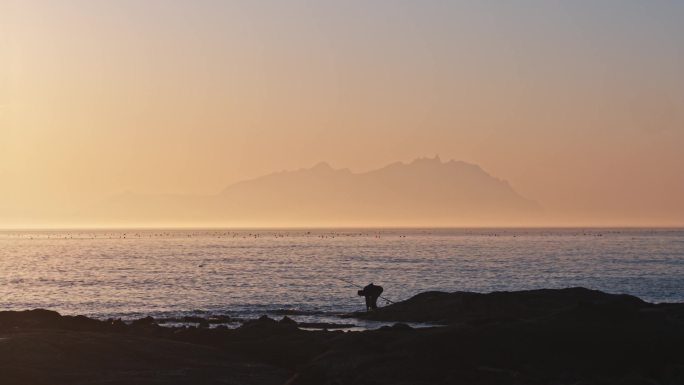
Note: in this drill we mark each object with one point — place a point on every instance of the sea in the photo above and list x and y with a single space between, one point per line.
313 275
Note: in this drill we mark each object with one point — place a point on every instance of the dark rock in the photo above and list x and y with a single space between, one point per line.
296 312
221 319
83 323
263 320
38 318
147 321
47 357
571 336
401 327
445 308
117 324
396 327
287 320
325 325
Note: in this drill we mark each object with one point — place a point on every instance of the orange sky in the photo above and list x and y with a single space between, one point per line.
579 106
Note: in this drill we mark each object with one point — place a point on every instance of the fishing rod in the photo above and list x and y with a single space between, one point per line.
361 287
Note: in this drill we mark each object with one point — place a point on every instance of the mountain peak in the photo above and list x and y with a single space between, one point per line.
321 166
423 192
425 160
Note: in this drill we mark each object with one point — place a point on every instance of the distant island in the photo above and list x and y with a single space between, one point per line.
424 192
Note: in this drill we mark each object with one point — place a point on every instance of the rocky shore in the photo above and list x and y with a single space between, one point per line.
566 336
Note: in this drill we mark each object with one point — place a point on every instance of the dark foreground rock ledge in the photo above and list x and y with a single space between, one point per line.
449 308
570 336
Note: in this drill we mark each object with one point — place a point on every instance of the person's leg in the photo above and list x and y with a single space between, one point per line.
374 302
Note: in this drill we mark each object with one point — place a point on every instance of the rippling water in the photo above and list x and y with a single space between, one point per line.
246 273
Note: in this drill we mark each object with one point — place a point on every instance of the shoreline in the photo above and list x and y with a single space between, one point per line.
559 336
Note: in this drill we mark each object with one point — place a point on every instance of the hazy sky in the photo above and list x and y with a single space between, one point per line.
578 104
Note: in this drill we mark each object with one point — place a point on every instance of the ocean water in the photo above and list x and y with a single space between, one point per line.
172 273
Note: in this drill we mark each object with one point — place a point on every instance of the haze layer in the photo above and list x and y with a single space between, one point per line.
579 105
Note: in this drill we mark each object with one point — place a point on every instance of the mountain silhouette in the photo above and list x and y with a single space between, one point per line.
425 192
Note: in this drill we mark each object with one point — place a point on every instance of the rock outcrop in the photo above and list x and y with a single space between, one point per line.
569 336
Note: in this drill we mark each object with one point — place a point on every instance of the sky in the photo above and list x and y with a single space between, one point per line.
579 105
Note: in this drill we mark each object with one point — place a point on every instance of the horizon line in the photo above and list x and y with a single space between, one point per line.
292 228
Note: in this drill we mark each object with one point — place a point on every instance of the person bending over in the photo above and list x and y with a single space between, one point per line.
371 292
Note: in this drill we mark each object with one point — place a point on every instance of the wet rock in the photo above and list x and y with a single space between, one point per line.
397 327
193 319
263 320
147 321
266 322
325 325
296 312
221 319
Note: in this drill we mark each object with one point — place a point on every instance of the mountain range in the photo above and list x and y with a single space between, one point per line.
424 192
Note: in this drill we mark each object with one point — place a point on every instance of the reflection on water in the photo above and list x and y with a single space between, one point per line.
246 273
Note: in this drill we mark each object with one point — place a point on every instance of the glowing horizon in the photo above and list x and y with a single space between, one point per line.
579 106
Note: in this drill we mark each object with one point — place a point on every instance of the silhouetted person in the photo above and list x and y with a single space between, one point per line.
371 292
